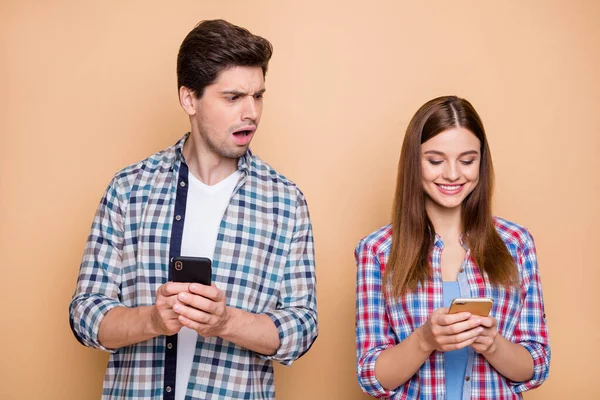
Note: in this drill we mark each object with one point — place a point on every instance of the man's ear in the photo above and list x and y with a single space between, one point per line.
188 100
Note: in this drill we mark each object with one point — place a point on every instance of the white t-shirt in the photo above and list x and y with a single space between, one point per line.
204 211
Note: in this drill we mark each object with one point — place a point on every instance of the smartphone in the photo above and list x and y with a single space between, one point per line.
478 306
191 269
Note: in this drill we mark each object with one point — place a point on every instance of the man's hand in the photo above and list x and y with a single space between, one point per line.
164 319
203 309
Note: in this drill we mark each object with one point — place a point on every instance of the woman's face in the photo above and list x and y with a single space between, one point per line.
450 167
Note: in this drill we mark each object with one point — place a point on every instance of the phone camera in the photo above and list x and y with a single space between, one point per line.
178 265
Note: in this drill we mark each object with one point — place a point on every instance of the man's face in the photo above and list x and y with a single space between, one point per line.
228 113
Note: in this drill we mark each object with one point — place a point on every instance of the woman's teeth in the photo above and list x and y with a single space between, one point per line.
450 188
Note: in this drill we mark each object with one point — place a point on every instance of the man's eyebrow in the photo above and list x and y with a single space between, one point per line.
240 93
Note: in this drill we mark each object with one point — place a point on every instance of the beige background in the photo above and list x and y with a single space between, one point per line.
89 87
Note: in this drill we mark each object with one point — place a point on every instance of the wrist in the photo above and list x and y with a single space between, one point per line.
152 321
424 345
230 322
492 349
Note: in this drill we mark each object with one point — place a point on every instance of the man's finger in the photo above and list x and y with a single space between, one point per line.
173 288
210 292
199 302
192 314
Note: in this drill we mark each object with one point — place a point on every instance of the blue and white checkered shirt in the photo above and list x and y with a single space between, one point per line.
264 262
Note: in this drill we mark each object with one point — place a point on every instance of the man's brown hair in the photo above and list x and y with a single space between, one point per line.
214 46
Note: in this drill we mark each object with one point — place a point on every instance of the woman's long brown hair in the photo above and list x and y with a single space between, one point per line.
413 234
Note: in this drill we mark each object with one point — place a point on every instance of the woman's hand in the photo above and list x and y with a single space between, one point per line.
447 332
485 343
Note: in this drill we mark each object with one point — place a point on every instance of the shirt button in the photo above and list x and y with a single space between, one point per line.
468 378
169 346
168 389
182 184
461 270
178 217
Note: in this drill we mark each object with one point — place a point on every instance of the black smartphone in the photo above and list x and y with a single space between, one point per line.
191 269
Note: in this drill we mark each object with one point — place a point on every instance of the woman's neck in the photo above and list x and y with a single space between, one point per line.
447 222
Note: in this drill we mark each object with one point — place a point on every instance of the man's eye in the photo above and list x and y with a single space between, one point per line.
233 98
258 96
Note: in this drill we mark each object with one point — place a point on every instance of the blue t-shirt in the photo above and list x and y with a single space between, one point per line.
456 361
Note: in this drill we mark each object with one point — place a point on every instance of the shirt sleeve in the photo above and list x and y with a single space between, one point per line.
97 290
373 331
296 314
531 331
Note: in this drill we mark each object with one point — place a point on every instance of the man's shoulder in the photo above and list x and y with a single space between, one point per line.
267 175
145 171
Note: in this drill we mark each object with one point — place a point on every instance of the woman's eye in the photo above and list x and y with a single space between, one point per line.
435 162
468 162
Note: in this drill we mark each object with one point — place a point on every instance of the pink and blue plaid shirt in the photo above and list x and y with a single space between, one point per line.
381 324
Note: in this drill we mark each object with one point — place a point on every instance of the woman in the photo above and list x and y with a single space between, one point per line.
444 243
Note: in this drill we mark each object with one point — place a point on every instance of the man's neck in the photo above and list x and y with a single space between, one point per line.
206 165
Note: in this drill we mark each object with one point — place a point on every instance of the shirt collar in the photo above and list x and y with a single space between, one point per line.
244 162
439 242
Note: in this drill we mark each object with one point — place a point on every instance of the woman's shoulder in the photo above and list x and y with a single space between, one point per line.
512 233
377 242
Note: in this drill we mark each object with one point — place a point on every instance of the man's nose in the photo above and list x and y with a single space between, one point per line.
250 110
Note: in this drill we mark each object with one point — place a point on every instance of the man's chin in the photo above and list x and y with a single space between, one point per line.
234 153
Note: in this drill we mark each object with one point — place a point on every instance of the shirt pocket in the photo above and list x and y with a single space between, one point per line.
251 262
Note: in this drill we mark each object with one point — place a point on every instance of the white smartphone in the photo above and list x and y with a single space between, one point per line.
477 306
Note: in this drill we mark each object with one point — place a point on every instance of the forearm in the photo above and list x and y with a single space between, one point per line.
512 360
255 332
123 326
396 365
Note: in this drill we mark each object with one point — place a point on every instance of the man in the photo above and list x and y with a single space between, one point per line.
207 196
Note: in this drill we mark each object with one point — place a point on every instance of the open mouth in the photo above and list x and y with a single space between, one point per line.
242 133
242 136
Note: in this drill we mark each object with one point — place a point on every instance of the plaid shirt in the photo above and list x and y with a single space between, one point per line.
264 262
380 325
